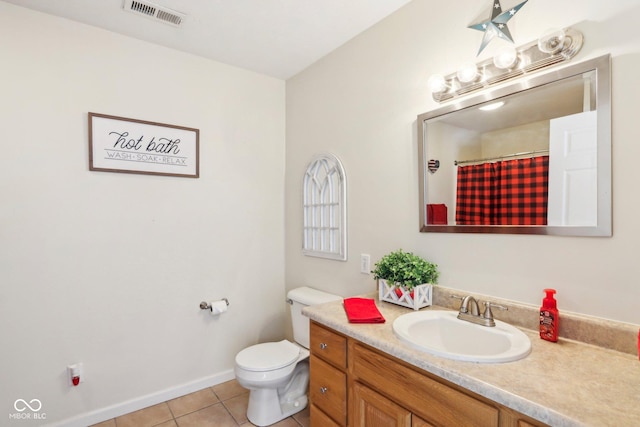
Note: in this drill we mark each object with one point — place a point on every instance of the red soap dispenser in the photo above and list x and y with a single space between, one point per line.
549 318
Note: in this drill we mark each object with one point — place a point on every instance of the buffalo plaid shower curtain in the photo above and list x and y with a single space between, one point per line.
510 192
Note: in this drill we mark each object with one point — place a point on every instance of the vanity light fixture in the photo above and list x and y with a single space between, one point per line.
553 47
492 106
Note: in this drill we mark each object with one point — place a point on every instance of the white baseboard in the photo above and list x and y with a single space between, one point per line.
132 405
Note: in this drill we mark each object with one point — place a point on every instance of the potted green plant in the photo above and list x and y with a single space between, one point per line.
405 279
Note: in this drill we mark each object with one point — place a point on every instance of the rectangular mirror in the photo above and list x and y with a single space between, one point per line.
532 157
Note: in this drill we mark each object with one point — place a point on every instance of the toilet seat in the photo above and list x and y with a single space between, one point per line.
268 356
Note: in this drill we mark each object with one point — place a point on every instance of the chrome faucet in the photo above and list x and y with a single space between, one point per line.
470 311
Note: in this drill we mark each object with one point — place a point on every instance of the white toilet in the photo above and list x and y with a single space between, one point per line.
277 373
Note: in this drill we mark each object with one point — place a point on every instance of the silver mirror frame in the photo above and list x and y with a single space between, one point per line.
602 66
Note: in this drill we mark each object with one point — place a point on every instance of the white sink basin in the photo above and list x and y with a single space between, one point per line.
441 333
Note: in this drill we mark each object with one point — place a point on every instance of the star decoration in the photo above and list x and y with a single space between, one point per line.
497 24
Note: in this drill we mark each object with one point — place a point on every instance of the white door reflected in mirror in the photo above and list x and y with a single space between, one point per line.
573 170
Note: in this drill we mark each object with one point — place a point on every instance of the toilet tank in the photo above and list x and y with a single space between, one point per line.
299 298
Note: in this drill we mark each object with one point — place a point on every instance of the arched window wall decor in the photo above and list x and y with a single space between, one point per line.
325 209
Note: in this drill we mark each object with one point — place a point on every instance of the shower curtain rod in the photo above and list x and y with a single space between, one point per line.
506 156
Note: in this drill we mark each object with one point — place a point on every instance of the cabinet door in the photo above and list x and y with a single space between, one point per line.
511 418
369 409
319 418
419 422
523 423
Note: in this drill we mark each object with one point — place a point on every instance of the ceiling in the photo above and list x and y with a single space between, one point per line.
278 38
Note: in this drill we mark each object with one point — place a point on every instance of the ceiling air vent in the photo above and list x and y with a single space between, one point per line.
154 11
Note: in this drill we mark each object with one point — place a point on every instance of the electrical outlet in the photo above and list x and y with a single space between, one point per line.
365 263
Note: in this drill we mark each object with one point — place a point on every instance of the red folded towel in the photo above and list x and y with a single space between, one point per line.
437 214
362 310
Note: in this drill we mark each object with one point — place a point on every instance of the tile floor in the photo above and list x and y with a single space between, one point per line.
223 405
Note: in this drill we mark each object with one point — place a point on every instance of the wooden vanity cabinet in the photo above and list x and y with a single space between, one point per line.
355 385
432 400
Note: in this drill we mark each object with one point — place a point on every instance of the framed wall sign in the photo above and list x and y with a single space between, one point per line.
118 144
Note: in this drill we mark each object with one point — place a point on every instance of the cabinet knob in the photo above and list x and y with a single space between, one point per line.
323 346
323 390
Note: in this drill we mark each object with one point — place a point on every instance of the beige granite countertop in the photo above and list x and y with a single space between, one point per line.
567 383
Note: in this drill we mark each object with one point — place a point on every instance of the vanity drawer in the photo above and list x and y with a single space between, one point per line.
328 389
319 418
328 345
436 402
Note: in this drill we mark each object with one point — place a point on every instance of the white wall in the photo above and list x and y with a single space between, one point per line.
108 269
361 102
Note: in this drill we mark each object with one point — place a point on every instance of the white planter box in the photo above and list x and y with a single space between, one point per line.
422 294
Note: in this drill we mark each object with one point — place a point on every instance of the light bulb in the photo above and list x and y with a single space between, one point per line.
467 73
506 58
552 41
437 83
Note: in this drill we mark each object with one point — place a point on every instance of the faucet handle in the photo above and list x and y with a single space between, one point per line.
488 314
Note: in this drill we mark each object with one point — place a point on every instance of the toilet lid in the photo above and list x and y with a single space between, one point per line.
268 356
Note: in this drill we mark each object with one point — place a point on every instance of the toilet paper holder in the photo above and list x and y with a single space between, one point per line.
206 306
